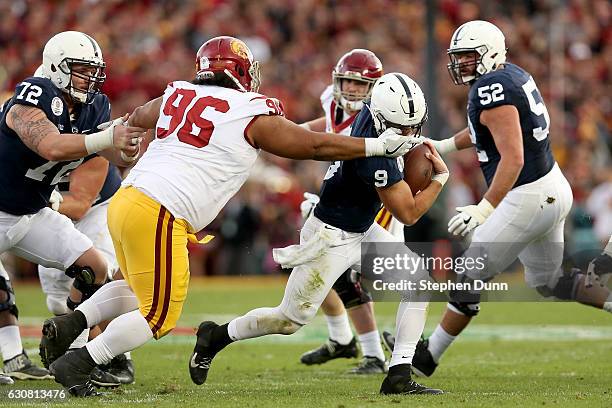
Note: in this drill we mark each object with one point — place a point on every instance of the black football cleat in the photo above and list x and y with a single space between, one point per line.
58 334
402 384
202 355
101 377
388 341
423 364
22 368
73 371
122 368
330 350
370 365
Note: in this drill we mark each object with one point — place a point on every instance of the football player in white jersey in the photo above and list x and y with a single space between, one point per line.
352 80
208 135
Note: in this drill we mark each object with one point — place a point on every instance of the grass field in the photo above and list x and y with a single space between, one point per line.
514 355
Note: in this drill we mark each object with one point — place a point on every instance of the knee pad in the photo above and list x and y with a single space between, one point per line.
566 287
57 306
469 309
86 289
349 289
84 274
8 303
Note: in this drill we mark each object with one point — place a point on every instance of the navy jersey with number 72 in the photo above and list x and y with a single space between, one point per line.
511 85
27 179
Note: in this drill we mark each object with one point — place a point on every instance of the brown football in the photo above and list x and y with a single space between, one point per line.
418 169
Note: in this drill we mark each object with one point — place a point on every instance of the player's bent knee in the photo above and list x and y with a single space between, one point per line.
350 290
469 309
7 297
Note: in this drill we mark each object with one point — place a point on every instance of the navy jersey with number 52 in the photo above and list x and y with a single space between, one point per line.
27 179
349 199
511 85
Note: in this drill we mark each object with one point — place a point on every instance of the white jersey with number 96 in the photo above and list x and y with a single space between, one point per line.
200 156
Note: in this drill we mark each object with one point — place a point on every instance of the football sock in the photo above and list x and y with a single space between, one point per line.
125 333
10 342
409 324
81 340
439 342
370 345
339 329
607 306
111 300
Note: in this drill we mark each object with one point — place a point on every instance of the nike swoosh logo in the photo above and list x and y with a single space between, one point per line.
394 150
467 221
192 362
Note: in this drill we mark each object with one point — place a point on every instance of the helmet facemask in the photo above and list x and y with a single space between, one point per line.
455 66
93 80
349 100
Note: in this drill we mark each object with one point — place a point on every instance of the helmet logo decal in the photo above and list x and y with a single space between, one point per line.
204 63
239 48
409 94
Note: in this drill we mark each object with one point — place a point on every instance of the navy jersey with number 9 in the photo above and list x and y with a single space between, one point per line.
511 85
349 199
27 179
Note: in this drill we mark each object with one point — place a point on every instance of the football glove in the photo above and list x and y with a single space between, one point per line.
469 218
55 200
308 205
390 144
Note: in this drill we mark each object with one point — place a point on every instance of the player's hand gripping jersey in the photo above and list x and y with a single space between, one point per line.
200 157
27 179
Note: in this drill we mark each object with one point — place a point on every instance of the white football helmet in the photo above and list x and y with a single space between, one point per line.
70 48
483 38
398 103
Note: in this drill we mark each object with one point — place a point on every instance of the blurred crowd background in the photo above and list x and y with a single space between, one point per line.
565 45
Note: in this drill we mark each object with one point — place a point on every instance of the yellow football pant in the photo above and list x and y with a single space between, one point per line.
151 248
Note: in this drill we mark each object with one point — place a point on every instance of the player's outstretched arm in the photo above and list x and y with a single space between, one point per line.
505 127
459 141
41 136
86 182
281 137
146 116
398 198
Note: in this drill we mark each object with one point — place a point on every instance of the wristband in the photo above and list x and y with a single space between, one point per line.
445 146
485 207
98 141
441 178
373 147
304 125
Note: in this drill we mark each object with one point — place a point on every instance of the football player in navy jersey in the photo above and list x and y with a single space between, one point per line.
48 128
523 212
330 241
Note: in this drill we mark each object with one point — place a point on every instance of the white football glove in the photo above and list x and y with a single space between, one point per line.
390 144
55 200
308 205
469 218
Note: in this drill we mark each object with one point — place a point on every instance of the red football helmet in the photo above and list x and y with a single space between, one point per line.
358 65
231 56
